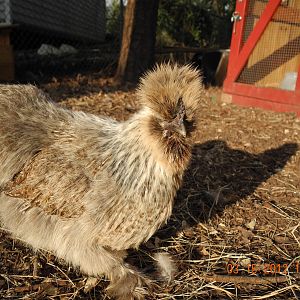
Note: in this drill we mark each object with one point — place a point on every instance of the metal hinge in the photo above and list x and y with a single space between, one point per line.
236 17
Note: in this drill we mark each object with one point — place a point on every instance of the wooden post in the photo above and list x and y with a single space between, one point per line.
138 40
7 69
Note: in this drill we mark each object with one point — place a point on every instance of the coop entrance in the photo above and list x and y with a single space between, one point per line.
264 60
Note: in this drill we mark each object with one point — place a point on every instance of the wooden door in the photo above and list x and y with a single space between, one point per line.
265 55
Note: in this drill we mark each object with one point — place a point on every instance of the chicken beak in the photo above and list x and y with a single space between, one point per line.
180 128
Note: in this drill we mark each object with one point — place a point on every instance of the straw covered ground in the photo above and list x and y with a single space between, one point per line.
235 228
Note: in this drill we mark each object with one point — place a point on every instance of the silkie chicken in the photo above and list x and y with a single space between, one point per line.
87 187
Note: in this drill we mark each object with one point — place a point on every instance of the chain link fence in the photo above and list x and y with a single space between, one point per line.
42 39
274 62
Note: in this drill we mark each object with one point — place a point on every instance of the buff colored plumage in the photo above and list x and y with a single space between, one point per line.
88 187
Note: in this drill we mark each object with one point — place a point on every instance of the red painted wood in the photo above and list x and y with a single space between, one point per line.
253 39
264 104
298 80
242 10
237 37
251 95
268 94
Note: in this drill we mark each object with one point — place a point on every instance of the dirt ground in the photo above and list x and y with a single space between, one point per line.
235 228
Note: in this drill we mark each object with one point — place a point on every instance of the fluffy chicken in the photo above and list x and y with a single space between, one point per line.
87 187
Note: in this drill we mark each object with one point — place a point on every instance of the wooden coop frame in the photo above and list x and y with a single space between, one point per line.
264 61
7 68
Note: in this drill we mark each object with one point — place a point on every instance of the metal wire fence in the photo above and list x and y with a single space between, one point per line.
274 62
42 39
45 38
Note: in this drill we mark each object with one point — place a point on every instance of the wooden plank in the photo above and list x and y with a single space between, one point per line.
294 3
237 36
253 38
7 72
5 35
268 94
298 80
167 50
286 36
222 69
289 14
273 58
265 104
285 33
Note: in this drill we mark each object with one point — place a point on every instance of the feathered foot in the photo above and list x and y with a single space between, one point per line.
128 285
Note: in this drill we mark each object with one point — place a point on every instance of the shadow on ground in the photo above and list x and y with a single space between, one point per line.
219 176
220 173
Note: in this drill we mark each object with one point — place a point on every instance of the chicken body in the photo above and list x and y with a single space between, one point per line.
87 187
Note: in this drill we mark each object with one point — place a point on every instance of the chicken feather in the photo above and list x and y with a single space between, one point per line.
88 187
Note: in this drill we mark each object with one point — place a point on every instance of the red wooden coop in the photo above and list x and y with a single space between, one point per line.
264 61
